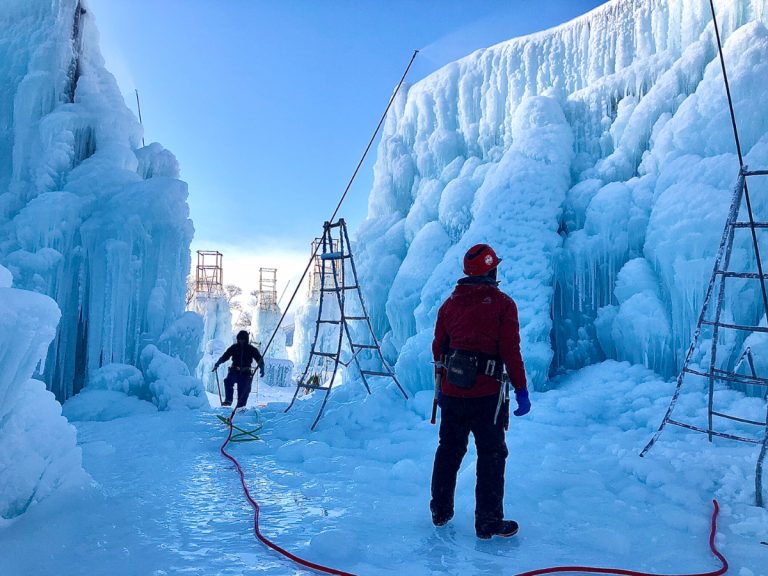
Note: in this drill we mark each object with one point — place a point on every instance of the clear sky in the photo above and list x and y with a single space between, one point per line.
268 104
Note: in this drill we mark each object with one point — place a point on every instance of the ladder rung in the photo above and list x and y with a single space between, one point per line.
335 224
333 256
756 173
326 354
375 373
713 432
340 288
740 378
748 275
748 225
744 420
329 321
366 346
729 377
314 387
736 326
696 372
356 317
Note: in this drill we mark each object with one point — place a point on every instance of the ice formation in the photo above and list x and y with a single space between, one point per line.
217 335
87 216
38 449
265 320
598 159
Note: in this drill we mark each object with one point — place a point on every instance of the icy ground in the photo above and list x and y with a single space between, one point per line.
354 494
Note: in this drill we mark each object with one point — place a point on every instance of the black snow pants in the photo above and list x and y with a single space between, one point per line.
243 380
459 417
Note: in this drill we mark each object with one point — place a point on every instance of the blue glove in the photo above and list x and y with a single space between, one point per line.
523 403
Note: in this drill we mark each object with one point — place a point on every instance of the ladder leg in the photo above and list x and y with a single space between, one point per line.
317 324
716 329
721 253
295 394
759 468
322 407
340 300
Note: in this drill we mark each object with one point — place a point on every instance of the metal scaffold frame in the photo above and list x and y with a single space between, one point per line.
267 299
334 256
209 275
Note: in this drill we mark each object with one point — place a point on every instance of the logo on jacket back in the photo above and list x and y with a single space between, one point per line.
487 300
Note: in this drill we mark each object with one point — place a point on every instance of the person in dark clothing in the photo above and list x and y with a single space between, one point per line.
477 332
240 372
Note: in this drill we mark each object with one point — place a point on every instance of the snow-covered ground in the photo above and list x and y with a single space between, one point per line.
355 493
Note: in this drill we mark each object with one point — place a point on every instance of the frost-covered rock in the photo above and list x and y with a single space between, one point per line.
591 156
38 448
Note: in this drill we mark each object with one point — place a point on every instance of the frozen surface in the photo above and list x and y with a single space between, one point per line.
355 493
598 159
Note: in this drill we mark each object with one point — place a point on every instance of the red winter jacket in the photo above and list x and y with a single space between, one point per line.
480 318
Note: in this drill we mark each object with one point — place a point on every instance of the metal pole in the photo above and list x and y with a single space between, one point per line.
138 105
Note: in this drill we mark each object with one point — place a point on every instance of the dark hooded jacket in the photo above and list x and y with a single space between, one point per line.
242 354
478 317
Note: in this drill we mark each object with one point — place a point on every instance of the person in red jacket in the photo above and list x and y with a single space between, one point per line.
477 333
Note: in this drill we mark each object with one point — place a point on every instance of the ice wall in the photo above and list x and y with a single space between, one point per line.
87 216
597 158
217 336
38 448
263 324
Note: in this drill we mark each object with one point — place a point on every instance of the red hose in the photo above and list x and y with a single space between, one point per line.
590 570
572 569
256 509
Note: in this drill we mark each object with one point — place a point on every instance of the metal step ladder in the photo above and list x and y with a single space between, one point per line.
710 320
336 266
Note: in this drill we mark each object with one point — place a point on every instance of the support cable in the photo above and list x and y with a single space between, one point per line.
341 200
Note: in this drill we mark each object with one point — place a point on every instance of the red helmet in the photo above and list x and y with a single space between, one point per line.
479 260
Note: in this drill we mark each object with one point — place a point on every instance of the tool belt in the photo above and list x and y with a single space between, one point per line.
464 366
239 369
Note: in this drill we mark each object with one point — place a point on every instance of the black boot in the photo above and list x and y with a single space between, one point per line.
505 529
441 518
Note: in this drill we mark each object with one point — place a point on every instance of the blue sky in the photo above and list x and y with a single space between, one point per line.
269 104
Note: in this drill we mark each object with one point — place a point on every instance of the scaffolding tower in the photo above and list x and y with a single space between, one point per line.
321 268
719 371
267 298
209 276
339 282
